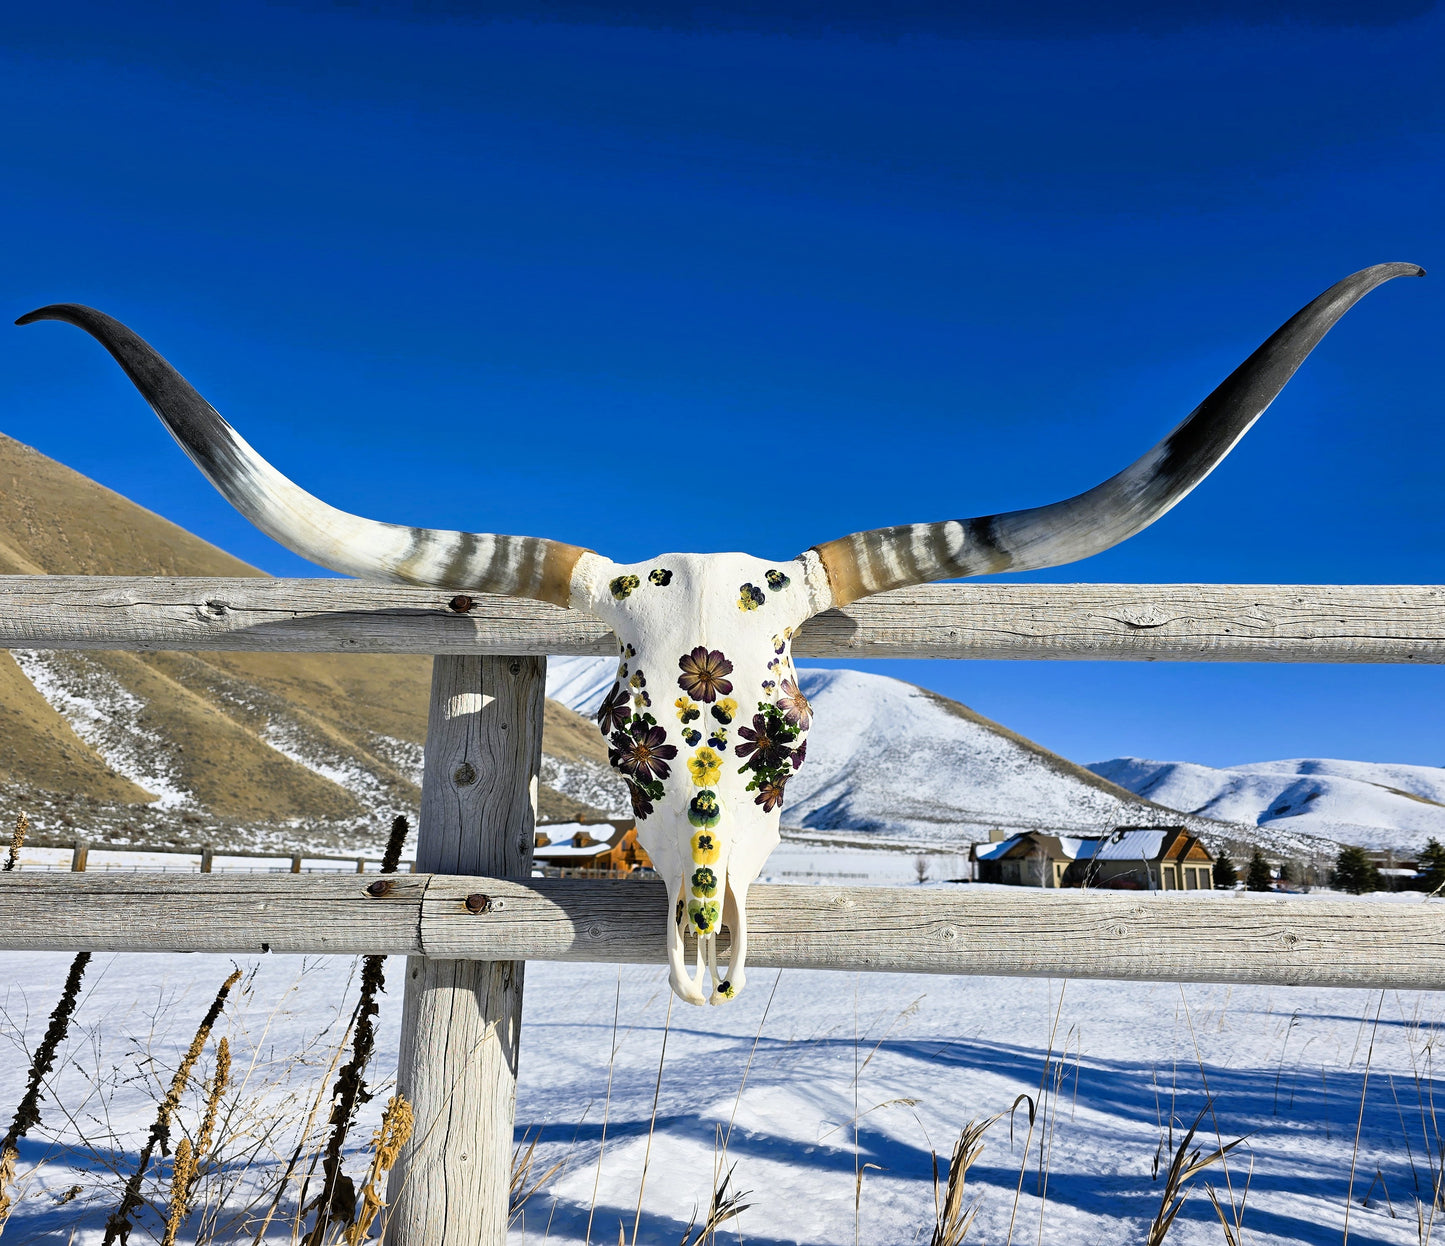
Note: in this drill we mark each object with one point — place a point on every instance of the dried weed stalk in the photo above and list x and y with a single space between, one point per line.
523 1185
951 1218
721 1209
182 1174
28 1113
118 1227
397 1122
336 1203
17 841
1186 1165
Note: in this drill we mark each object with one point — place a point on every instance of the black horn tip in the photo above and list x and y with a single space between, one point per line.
55 311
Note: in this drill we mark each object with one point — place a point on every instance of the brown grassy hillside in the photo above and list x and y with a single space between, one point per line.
300 747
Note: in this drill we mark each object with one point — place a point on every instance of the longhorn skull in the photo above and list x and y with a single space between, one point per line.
706 722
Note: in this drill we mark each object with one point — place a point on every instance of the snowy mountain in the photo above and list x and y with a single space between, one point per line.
1373 805
891 762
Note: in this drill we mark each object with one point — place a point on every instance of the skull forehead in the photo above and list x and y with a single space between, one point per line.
679 601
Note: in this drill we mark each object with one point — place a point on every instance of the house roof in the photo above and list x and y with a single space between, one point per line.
1068 847
1134 845
562 833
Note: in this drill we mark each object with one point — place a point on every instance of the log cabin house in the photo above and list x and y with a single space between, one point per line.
595 847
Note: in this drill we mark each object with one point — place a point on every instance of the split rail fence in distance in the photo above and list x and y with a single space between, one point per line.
471 916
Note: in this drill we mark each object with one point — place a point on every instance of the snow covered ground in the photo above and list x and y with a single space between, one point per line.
1119 1072
1370 804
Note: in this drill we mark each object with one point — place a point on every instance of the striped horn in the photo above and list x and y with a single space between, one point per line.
518 566
1047 536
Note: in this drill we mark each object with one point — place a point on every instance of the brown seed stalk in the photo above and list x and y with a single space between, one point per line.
118 1227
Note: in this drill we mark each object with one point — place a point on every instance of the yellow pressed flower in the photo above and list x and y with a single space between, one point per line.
724 710
706 767
687 709
706 848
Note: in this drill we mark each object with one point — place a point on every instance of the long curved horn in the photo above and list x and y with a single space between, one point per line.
1046 536
519 566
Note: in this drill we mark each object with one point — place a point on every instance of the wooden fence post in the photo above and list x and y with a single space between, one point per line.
78 853
461 1019
207 855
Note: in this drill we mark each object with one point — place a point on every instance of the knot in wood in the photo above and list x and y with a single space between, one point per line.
1289 939
381 887
479 903
465 774
460 604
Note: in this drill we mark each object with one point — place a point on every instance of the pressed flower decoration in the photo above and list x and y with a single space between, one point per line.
705 766
642 752
613 712
794 705
777 581
660 576
621 588
768 751
750 597
704 674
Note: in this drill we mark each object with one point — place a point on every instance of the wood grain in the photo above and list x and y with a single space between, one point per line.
1280 941
1125 622
462 1017
238 913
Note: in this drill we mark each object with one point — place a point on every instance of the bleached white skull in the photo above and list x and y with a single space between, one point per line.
706 722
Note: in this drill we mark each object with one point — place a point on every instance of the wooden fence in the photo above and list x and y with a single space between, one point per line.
472 916
80 850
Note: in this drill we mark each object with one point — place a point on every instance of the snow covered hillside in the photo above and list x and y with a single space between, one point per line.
1372 804
890 761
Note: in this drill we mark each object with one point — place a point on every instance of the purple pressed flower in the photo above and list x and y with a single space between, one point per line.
703 674
770 795
799 754
613 713
641 805
764 745
795 705
643 754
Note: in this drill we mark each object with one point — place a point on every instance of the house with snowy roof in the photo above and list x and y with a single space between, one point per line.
1031 859
1153 858
594 847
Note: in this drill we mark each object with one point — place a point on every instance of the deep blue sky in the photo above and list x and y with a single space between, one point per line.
655 277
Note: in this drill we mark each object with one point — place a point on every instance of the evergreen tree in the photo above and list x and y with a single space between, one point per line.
1225 875
1260 877
1432 867
1355 872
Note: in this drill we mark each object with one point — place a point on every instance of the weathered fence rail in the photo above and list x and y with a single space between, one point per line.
472 919
1026 933
1126 622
